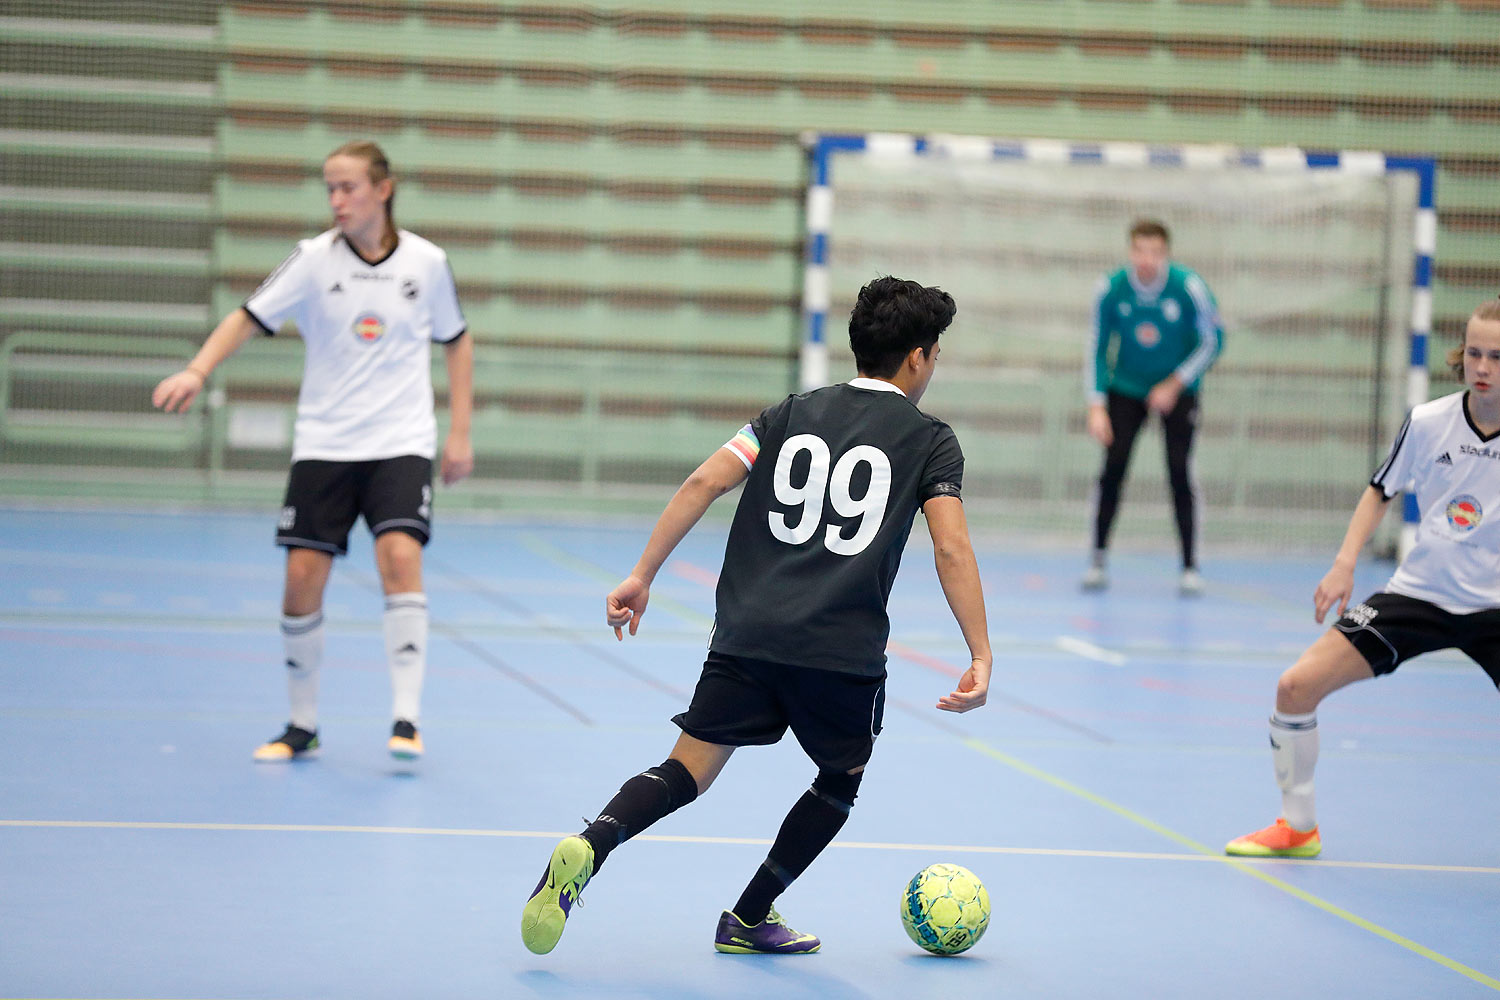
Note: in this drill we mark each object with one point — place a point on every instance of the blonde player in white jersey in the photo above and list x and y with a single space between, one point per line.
1444 595
369 300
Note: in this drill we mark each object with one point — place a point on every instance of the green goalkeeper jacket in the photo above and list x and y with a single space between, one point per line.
1141 334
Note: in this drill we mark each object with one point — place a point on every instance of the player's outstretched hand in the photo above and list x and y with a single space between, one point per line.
1334 589
176 392
458 458
973 689
626 604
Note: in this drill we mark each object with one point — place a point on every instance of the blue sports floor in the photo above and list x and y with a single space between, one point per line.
143 854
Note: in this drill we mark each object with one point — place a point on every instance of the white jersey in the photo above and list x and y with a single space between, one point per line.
368 328
1454 472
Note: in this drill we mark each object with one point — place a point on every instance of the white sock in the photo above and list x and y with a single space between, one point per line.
1294 750
302 640
406 651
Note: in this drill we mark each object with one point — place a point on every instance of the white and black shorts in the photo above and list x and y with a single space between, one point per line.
743 702
1389 629
323 499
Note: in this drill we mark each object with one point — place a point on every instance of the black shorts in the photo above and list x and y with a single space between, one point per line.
741 702
324 498
1389 629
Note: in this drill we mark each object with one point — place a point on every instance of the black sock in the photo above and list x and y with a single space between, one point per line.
641 801
810 826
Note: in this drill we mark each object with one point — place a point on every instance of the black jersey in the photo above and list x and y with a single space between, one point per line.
836 477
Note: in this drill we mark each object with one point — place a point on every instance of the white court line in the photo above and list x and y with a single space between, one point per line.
421 831
1089 651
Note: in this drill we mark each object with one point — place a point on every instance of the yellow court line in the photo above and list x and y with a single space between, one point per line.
1198 856
1249 869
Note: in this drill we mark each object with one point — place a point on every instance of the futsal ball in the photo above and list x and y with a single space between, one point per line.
945 909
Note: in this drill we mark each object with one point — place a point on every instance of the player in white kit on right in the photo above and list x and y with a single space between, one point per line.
1444 595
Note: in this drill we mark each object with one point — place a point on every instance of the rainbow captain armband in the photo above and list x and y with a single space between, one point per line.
745 445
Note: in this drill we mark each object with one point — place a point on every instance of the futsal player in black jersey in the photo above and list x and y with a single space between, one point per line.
833 481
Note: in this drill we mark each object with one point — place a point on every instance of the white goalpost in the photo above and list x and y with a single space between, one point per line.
1321 263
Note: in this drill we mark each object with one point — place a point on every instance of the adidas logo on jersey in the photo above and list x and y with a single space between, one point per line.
1443 459
337 287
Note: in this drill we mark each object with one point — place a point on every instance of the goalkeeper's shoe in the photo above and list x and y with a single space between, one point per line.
769 937
1278 840
289 745
568 871
405 742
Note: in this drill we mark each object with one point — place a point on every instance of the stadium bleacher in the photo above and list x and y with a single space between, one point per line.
620 187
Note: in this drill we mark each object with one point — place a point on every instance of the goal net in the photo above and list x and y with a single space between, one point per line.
1311 260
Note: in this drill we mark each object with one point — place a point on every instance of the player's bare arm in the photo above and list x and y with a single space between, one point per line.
720 473
958 573
176 392
1338 583
458 448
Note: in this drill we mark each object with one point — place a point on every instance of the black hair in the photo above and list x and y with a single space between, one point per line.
893 317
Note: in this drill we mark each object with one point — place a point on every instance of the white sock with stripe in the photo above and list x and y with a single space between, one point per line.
405 624
302 641
1294 750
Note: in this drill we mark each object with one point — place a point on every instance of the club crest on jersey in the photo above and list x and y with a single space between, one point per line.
1147 335
369 328
1170 310
1464 513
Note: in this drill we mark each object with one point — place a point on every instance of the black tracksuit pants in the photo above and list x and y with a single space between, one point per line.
1126 415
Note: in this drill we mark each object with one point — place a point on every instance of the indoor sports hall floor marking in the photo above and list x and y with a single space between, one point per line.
1236 863
568 560
1090 651
586 641
933 663
565 559
372 583
420 831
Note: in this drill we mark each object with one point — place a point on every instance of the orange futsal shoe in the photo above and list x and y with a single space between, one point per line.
405 742
1278 840
291 745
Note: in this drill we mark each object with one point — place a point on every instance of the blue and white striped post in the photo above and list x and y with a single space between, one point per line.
823 149
815 288
1424 248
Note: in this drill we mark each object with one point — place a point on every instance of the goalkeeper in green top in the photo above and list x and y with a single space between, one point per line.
1155 333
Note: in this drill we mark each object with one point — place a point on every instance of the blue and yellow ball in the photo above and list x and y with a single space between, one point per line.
945 909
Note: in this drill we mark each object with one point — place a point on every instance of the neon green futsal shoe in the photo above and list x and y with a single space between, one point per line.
568 871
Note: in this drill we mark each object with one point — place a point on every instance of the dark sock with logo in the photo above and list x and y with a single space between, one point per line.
808 828
641 801
814 820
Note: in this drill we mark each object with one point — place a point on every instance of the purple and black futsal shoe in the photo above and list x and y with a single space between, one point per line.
769 937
